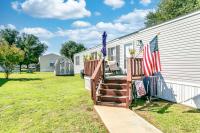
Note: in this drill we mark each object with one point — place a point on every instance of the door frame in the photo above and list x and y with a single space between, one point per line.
125 45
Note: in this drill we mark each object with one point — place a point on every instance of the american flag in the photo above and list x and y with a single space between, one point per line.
151 58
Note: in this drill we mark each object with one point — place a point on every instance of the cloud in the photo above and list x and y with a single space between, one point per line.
97 13
134 19
79 24
15 5
145 2
55 9
88 36
45 42
91 35
114 3
110 26
9 26
39 32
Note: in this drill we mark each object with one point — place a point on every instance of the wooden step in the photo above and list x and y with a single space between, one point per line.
112 104
113 92
118 81
113 86
108 98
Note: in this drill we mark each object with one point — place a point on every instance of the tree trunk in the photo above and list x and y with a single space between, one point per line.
20 67
27 66
7 74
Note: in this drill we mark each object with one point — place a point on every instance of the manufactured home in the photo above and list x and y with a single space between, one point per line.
47 62
179 46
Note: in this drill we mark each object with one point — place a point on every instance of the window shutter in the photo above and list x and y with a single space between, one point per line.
109 53
118 54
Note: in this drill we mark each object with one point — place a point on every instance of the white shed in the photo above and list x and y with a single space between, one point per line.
64 66
47 62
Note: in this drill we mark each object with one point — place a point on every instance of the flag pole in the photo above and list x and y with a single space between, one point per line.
143 46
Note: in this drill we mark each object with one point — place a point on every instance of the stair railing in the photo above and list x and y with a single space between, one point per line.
134 72
95 79
129 81
89 67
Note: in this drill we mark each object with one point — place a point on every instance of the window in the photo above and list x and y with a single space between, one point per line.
94 55
126 52
51 64
77 60
112 54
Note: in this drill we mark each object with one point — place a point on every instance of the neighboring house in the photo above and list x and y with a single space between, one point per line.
47 62
179 45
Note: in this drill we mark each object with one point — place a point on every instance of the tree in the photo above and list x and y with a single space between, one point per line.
9 35
32 48
10 56
70 48
169 9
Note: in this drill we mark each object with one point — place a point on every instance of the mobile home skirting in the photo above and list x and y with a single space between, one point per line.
179 45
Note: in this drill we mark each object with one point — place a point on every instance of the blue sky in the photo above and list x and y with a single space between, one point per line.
57 21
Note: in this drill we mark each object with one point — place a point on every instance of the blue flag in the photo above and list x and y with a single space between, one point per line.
103 50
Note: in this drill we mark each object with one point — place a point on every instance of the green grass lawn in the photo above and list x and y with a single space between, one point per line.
42 102
170 117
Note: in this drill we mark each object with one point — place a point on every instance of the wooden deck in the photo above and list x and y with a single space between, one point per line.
113 90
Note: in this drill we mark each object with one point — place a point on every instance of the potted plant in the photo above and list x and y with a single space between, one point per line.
132 52
85 58
89 57
99 55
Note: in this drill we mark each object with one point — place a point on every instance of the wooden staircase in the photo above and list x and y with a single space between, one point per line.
113 92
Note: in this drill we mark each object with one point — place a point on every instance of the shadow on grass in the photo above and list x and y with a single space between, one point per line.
165 108
3 80
158 106
192 111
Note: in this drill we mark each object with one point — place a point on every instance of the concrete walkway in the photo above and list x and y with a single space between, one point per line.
121 120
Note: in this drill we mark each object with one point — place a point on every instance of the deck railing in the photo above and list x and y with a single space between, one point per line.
134 72
95 79
89 67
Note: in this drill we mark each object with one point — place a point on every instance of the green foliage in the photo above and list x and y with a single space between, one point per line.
30 44
9 57
99 55
9 35
169 9
32 48
70 48
132 52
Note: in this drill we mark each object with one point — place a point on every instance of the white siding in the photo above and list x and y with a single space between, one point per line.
45 62
180 92
78 68
179 45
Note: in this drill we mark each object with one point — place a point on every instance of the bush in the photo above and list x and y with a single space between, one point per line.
10 56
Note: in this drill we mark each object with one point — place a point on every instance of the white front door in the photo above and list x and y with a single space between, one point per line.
127 53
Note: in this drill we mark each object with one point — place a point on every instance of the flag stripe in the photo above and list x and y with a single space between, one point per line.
147 61
151 58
